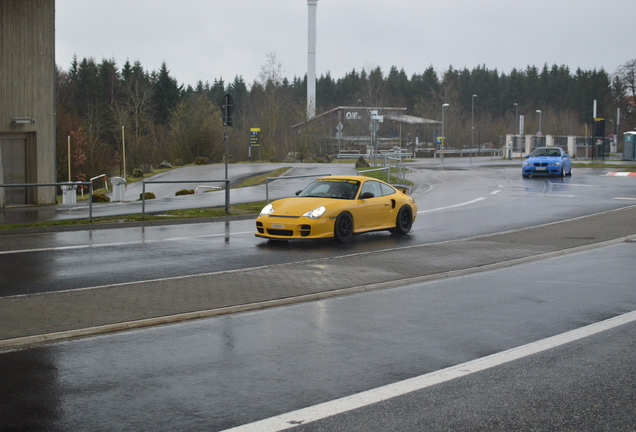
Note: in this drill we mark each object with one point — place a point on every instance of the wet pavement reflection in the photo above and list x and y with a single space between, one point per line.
212 374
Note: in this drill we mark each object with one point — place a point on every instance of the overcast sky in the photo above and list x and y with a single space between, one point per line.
211 39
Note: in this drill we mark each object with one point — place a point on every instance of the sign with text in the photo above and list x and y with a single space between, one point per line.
255 137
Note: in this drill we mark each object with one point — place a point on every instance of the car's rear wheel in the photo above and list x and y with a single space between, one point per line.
343 227
404 220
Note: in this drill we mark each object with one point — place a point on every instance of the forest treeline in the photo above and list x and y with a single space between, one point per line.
101 104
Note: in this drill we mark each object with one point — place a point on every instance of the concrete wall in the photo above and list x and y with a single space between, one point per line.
549 142
27 87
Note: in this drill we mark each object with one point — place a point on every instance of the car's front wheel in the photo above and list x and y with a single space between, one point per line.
343 227
404 221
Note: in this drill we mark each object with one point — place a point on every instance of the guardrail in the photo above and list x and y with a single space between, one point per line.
287 177
477 151
143 191
89 184
400 169
387 169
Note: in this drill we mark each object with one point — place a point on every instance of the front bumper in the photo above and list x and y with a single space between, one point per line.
541 170
273 227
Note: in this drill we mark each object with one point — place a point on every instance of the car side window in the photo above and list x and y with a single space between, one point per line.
373 187
386 189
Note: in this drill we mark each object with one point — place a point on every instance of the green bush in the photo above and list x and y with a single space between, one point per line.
184 192
149 195
138 172
100 198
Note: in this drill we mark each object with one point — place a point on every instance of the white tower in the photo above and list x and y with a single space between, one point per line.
311 60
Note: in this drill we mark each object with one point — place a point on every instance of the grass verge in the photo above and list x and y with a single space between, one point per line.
235 210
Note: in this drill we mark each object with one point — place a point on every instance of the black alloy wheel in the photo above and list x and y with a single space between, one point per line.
404 220
343 227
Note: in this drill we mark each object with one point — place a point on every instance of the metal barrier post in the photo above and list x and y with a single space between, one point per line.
90 202
143 200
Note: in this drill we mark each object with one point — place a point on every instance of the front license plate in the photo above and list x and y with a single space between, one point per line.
278 226
541 168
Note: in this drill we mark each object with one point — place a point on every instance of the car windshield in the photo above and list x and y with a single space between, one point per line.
335 188
546 152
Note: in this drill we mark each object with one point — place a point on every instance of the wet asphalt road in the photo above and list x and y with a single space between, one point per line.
217 373
453 204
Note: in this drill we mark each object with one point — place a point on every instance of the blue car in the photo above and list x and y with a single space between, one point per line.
547 161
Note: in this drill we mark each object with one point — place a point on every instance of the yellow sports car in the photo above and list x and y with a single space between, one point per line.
338 206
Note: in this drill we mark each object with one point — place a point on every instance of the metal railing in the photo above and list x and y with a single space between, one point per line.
387 169
143 191
267 180
470 152
89 184
105 182
400 169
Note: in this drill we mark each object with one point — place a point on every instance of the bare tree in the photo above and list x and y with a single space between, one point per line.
626 76
271 106
196 130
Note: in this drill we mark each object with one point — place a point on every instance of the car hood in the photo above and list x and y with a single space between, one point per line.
544 159
297 206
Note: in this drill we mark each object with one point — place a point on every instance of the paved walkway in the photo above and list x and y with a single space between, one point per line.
37 318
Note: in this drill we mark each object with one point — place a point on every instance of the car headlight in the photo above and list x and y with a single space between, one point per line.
267 210
555 164
527 164
316 213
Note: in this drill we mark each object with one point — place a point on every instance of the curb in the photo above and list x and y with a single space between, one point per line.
29 341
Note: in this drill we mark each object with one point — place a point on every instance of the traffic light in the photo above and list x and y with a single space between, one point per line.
228 108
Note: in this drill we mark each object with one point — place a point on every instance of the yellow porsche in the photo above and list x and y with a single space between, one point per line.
338 207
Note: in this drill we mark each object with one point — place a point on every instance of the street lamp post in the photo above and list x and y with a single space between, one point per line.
472 129
517 131
539 111
443 135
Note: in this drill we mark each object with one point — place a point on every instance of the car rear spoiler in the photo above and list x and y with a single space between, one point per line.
404 188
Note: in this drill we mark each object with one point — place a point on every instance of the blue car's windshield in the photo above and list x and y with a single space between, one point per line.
546 152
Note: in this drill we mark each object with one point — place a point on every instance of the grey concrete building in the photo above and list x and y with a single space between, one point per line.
27 100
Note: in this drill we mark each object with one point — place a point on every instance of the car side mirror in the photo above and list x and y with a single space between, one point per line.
367 195
298 192
527 156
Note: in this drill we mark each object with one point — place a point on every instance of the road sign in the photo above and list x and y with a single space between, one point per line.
599 127
339 127
374 126
255 137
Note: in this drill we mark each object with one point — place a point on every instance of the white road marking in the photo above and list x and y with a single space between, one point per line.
97 245
453 206
348 403
575 184
495 192
625 198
